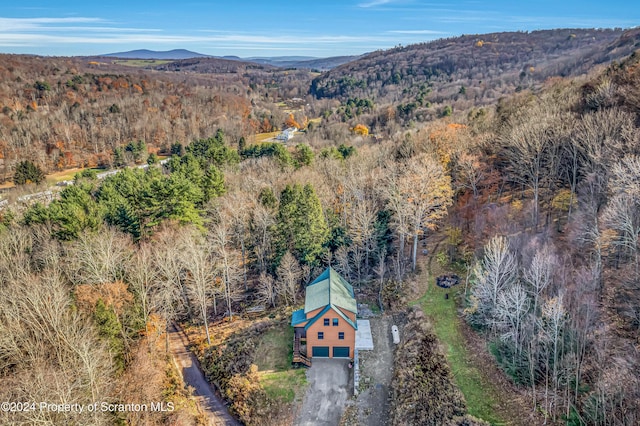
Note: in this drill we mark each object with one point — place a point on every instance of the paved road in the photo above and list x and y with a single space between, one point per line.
330 385
206 399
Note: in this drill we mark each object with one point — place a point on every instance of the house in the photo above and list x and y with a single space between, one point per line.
286 134
327 324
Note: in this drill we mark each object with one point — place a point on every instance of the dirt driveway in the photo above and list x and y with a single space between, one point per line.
330 386
376 370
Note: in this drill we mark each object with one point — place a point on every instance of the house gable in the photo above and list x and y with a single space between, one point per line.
336 311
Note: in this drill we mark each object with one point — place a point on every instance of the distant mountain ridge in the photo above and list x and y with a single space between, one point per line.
174 54
307 62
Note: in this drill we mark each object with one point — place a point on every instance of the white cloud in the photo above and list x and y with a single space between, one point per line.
374 3
13 38
30 24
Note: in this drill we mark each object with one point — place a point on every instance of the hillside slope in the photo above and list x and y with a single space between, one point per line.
491 64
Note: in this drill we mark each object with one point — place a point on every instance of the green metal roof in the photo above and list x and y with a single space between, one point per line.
330 289
298 317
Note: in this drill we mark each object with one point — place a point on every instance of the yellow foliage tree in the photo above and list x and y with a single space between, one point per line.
361 129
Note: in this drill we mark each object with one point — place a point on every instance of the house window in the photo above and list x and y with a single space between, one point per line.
326 321
320 335
341 336
335 321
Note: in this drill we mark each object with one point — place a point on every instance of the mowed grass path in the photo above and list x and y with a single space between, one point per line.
479 392
273 358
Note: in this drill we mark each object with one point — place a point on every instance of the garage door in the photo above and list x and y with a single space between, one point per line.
341 351
320 351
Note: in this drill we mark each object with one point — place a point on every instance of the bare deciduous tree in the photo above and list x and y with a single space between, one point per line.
470 171
143 279
622 212
419 196
539 273
262 223
201 277
44 341
553 323
14 259
512 307
361 229
288 281
97 258
226 260
530 146
267 289
494 273
236 208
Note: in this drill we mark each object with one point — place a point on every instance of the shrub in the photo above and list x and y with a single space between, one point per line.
27 172
249 399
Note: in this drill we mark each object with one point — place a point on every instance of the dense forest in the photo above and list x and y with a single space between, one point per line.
530 193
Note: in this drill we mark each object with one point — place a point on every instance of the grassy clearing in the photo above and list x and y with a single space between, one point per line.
67 174
478 391
261 137
284 385
275 350
273 358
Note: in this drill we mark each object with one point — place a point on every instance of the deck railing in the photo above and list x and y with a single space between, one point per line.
298 358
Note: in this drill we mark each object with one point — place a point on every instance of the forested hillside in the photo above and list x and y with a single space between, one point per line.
533 200
65 112
420 80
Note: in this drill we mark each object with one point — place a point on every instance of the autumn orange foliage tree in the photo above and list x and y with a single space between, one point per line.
291 122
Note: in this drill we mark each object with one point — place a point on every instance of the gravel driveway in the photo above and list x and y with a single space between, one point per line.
376 367
330 386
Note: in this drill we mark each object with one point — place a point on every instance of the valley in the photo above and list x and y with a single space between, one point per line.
211 192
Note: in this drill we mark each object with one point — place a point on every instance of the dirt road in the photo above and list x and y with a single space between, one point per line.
192 375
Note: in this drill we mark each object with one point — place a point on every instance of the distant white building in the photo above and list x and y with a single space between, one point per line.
286 134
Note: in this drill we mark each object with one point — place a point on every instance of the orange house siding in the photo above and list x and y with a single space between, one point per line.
331 332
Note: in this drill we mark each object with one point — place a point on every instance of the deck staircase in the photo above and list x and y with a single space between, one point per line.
298 358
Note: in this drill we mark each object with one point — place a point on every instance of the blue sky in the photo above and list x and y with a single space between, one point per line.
280 28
